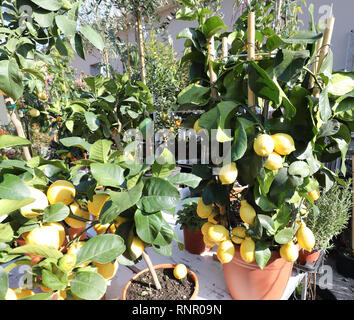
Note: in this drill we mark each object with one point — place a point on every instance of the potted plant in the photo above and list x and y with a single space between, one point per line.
279 130
191 225
328 217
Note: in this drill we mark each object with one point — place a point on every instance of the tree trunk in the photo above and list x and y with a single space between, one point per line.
141 47
106 62
212 74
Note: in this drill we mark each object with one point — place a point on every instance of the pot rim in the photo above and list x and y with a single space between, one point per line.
164 266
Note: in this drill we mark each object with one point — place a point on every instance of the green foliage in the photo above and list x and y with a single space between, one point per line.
187 217
330 214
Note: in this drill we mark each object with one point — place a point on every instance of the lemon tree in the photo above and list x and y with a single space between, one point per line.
278 146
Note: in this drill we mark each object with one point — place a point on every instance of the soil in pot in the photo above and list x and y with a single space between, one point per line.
143 287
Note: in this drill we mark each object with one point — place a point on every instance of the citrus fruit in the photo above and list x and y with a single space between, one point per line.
289 251
196 127
238 234
61 230
67 262
217 233
211 218
101 228
77 211
107 270
204 211
305 237
95 206
208 242
10 295
283 143
74 249
61 191
225 251
23 293
274 161
34 113
44 235
40 203
247 213
205 227
228 173
180 271
263 145
247 250
136 247
42 96
314 194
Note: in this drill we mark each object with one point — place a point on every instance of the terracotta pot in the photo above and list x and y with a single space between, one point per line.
246 281
306 256
164 266
193 241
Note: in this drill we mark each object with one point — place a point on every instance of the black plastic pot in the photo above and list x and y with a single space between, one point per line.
345 263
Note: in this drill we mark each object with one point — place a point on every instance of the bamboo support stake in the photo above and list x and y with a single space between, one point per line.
128 47
212 74
314 67
251 39
353 206
141 47
19 128
152 270
224 48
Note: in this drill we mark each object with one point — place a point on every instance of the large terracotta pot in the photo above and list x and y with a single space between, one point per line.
164 266
305 256
246 281
193 241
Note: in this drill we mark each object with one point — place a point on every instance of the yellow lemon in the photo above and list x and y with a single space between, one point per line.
263 145
238 234
208 242
217 233
205 227
305 237
67 262
34 113
101 228
274 161
41 202
204 211
42 95
180 271
10 295
61 191
196 127
283 143
136 247
44 235
225 251
228 173
247 250
74 249
289 252
95 206
77 211
314 194
247 213
61 230
211 218
23 293
107 270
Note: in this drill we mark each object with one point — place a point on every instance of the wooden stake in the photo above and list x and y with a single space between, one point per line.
212 74
152 270
141 47
128 47
314 66
225 48
353 206
251 39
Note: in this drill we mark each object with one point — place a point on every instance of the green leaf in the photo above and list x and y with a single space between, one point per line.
88 285
164 164
341 83
267 222
14 188
92 121
329 128
158 194
39 250
7 206
39 296
11 78
265 179
51 5
273 42
153 228
56 212
93 36
75 142
4 283
262 254
324 106
282 217
53 281
212 26
303 37
226 110
215 193
44 18
239 145
6 232
108 174
194 94
187 179
208 120
284 236
196 37
186 14
299 168
99 151
67 26
78 46
103 248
